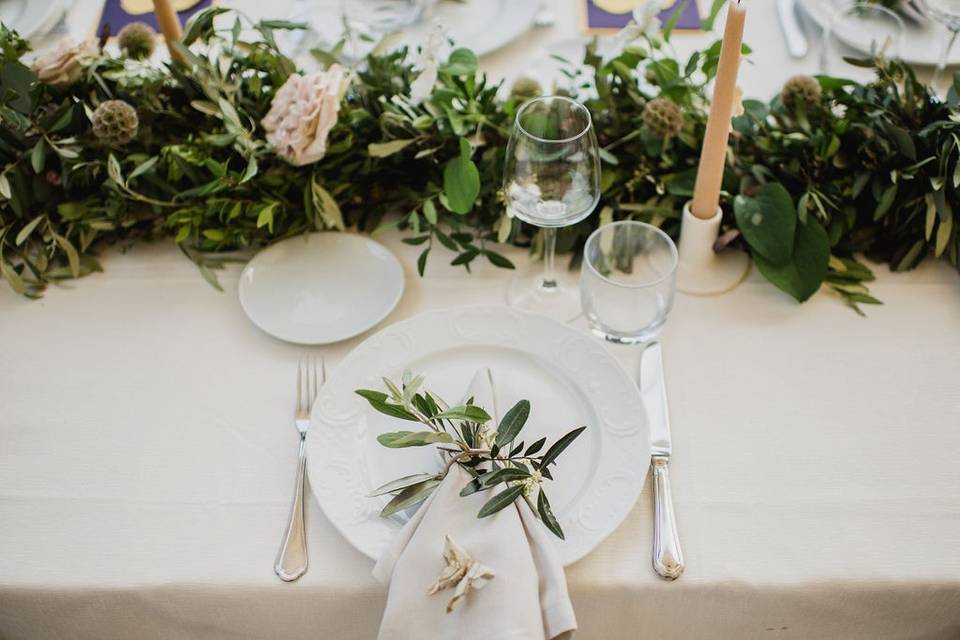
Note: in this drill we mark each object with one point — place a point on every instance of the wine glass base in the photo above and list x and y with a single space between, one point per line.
529 294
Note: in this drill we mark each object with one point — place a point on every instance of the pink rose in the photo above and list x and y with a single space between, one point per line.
303 112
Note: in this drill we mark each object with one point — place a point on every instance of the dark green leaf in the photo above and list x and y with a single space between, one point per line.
557 448
401 483
768 222
422 262
535 447
512 422
803 274
498 260
500 501
409 497
200 26
378 401
506 474
461 181
546 515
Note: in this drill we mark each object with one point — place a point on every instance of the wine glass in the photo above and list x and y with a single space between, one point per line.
946 12
551 180
869 28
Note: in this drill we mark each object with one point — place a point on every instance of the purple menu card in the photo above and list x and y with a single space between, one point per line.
115 16
598 20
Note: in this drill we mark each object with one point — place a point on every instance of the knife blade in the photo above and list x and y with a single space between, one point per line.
793 35
654 393
667 553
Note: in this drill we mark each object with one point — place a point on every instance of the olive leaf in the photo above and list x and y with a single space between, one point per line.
512 422
409 497
401 483
378 400
557 448
546 515
501 501
402 439
470 413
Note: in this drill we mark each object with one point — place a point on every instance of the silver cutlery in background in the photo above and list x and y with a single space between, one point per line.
667 555
793 35
292 557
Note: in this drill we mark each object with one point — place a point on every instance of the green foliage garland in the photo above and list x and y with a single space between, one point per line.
863 169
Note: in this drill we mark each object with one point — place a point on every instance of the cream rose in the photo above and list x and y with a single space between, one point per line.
64 65
303 112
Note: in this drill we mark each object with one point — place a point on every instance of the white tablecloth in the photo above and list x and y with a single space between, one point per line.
147 460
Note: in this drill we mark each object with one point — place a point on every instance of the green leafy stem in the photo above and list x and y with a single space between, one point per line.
492 458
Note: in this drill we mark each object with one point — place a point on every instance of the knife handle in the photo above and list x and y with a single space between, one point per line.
667 555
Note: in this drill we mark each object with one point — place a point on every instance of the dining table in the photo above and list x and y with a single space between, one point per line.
147 454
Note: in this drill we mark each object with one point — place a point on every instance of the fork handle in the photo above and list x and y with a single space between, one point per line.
667 555
292 557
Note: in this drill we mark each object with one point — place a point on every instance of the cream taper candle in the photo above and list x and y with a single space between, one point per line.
169 24
706 193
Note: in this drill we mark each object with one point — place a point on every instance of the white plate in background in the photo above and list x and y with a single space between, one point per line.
30 18
321 288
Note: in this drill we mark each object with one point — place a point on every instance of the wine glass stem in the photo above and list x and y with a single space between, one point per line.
945 56
549 281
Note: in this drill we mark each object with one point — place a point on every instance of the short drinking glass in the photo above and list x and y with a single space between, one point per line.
627 281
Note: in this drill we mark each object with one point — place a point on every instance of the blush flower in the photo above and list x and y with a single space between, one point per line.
303 112
64 65
427 63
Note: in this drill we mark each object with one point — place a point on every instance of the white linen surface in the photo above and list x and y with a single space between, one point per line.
527 598
147 455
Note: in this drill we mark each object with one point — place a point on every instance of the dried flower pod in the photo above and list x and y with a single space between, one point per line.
799 90
526 89
663 117
137 40
115 122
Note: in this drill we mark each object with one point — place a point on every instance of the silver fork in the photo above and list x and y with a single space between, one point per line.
292 557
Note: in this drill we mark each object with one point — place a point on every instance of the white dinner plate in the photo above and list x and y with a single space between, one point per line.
482 26
321 288
569 377
30 18
921 40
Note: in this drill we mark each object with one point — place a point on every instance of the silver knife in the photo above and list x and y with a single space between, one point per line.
667 555
793 35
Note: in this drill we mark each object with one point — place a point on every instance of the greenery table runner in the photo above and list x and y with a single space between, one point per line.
98 149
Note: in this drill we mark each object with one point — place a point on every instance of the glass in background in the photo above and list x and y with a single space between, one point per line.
551 180
947 12
627 281
858 30
384 16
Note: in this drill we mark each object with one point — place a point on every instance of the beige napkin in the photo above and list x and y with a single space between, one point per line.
525 600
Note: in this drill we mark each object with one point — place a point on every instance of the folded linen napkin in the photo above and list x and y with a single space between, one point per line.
445 544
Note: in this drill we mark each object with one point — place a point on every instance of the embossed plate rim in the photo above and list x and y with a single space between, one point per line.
337 473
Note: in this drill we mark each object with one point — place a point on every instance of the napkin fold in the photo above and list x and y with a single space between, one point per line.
525 599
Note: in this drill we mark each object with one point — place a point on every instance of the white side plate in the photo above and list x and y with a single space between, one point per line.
569 377
321 288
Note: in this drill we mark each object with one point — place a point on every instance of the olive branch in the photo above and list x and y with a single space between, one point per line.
463 432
